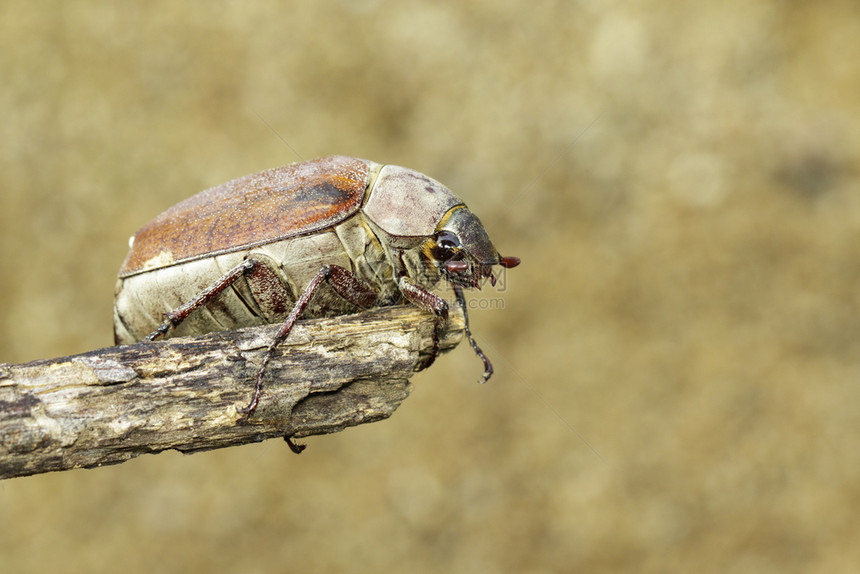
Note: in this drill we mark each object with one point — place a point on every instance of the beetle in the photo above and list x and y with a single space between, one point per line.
317 238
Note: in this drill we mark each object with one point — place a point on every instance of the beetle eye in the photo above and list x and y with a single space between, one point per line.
447 246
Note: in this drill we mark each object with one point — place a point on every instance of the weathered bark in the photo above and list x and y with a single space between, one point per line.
110 405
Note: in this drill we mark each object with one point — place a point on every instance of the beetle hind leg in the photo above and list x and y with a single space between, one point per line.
176 316
344 283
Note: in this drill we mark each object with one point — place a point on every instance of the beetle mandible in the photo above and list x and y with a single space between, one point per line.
317 238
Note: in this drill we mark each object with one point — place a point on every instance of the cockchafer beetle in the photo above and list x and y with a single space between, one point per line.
317 238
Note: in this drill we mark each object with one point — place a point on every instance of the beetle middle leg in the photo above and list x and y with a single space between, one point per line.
344 283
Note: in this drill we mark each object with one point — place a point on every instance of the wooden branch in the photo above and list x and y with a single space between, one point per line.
110 405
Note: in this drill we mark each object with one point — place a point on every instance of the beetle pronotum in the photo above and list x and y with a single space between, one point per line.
315 238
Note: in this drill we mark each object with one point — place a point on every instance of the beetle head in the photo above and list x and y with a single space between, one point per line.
462 251
433 231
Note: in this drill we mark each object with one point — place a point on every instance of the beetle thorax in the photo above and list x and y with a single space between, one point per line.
416 266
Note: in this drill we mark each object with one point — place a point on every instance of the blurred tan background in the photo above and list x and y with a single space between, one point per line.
680 180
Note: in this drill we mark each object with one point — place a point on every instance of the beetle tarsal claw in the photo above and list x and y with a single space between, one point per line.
159 332
295 447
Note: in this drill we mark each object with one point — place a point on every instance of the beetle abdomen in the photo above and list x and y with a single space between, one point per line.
143 299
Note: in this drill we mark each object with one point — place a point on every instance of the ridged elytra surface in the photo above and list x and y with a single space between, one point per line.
253 210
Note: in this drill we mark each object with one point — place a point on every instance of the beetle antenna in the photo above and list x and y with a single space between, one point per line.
286 143
488 366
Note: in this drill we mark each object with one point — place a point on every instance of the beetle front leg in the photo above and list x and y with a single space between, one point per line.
430 302
488 366
344 283
175 317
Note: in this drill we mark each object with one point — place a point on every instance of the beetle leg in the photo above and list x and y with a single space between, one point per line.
344 283
422 298
175 317
488 366
268 289
430 302
294 446
161 330
350 287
